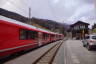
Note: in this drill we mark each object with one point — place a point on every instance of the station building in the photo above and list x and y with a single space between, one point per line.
79 29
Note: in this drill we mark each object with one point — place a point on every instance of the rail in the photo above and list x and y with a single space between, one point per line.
48 57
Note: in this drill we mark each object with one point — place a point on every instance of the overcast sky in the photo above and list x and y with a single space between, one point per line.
67 11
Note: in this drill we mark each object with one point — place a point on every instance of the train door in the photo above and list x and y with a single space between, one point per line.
40 38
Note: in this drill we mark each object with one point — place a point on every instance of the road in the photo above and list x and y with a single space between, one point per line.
75 53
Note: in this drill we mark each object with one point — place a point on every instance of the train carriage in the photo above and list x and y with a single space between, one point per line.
16 36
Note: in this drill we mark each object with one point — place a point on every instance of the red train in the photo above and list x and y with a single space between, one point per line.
16 36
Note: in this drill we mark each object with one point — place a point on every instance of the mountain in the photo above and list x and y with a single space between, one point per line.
12 15
48 24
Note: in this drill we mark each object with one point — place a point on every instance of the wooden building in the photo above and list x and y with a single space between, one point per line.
79 29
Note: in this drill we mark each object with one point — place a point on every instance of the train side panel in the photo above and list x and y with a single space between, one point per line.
10 41
11 38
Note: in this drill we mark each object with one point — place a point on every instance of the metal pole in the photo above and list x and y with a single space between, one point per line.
29 15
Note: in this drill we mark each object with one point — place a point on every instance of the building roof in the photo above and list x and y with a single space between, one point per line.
79 22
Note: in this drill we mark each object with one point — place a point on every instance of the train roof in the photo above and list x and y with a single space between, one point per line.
24 24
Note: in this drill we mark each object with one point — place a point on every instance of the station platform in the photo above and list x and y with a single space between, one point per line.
30 57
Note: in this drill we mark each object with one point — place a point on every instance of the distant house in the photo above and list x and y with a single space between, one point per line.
94 28
79 29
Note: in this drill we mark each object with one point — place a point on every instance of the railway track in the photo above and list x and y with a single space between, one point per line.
48 57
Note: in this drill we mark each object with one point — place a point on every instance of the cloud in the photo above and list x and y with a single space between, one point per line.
55 1
81 11
58 10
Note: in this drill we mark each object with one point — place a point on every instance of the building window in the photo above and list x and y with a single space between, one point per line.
77 27
82 27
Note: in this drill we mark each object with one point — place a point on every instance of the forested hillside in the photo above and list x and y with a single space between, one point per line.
47 24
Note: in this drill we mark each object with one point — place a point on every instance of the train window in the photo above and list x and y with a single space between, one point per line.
45 36
27 34
33 34
23 34
52 36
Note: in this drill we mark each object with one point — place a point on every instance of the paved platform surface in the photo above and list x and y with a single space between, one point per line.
77 54
59 58
30 57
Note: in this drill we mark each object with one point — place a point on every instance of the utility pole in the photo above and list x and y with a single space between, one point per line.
29 15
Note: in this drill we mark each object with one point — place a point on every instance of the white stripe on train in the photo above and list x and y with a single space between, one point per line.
22 24
8 49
